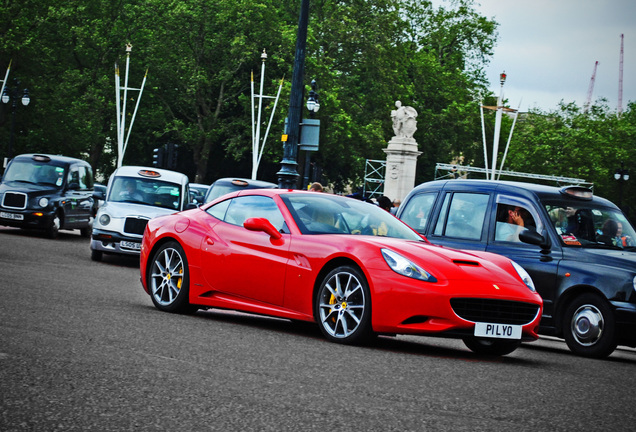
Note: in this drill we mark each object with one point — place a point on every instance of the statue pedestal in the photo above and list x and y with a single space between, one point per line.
401 162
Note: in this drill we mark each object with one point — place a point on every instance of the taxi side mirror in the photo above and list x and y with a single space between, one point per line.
530 236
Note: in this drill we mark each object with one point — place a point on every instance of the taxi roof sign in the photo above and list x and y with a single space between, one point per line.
149 173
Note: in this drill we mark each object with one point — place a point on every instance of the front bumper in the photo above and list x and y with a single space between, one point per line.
115 243
40 219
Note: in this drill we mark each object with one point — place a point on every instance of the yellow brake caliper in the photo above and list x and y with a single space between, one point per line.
332 301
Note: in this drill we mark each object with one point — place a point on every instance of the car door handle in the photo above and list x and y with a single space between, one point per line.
209 240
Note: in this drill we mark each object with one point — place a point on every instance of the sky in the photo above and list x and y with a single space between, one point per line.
548 49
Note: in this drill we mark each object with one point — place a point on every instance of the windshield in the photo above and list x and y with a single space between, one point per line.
319 213
38 173
145 191
584 225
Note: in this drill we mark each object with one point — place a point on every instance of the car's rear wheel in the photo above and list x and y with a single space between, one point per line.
343 306
589 326
87 230
493 347
168 279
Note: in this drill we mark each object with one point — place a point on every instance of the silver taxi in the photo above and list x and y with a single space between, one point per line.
135 195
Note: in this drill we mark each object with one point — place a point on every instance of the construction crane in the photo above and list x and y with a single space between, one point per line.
590 90
620 81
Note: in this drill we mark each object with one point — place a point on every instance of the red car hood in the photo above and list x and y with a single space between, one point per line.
452 264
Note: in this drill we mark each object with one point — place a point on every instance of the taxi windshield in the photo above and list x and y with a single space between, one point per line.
37 173
597 227
145 191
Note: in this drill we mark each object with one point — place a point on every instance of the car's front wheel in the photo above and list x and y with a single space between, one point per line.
589 326
343 306
168 279
96 255
54 229
492 347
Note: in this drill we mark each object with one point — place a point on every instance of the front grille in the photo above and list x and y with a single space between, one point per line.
15 200
494 311
135 226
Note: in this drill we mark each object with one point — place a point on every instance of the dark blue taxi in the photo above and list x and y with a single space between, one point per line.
579 249
48 193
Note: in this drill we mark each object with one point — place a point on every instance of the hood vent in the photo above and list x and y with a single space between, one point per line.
466 262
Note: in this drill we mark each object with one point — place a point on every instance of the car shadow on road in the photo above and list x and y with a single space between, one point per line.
63 235
427 346
558 347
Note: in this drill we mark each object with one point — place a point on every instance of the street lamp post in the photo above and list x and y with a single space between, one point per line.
621 175
313 105
288 174
11 95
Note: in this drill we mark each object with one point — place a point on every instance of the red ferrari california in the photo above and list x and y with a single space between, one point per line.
347 265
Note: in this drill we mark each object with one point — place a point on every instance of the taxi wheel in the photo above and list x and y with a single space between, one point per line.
168 279
343 306
96 255
589 326
87 230
54 229
491 347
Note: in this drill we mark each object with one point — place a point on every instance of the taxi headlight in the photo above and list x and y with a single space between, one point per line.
634 283
403 266
525 277
104 219
43 202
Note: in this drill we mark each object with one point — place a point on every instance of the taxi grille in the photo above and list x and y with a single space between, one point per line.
14 200
135 226
494 311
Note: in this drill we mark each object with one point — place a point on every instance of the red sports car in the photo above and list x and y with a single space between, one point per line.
347 265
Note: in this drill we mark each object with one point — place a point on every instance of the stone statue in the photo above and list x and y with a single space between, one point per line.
404 123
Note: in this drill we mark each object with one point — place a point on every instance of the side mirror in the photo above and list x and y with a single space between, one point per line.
530 236
262 224
99 195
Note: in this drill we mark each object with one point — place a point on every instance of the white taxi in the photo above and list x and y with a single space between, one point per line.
135 195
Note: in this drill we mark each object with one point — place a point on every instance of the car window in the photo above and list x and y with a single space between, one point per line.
462 215
218 210
319 213
79 177
242 208
145 191
583 225
35 173
511 220
418 211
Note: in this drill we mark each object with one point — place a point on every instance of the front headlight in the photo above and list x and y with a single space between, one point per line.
104 219
43 202
525 277
634 283
402 266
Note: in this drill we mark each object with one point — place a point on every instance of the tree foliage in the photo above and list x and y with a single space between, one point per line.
570 142
365 55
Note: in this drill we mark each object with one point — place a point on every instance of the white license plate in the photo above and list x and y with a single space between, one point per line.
13 216
130 245
500 331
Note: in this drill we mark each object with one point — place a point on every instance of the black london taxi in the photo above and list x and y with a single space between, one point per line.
48 193
579 249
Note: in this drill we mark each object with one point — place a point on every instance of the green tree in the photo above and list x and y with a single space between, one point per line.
571 143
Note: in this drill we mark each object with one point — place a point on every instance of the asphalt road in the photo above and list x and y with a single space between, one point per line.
82 348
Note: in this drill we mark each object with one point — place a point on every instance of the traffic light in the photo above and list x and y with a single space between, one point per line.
157 157
172 156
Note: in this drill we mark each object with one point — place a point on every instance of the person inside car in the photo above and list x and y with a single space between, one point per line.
510 223
130 191
609 233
